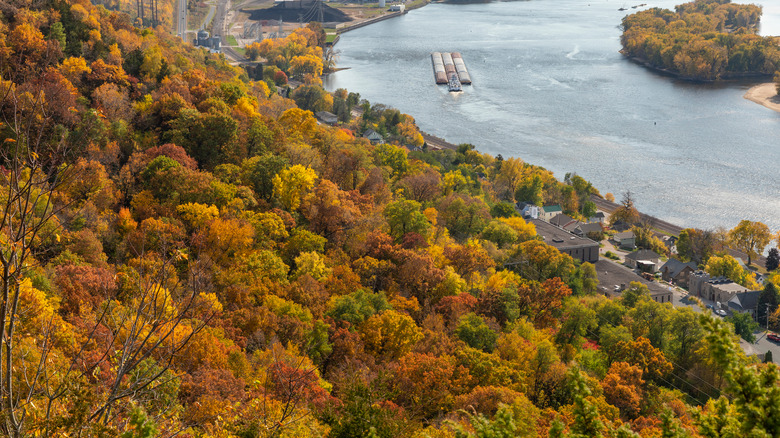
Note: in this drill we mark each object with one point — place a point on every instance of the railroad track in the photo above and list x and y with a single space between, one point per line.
436 142
665 227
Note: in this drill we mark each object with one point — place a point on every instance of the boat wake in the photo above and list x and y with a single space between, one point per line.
574 52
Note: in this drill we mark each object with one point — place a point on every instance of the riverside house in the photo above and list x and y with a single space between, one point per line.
563 221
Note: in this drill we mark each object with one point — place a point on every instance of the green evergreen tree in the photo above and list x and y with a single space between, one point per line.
142 427
587 423
57 33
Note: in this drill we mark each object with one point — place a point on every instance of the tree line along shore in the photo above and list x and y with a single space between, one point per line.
702 40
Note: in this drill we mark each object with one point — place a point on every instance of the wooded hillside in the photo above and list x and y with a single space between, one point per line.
186 253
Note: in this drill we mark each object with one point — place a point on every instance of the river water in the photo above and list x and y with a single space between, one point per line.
550 87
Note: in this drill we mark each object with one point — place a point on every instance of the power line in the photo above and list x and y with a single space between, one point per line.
695 401
717 390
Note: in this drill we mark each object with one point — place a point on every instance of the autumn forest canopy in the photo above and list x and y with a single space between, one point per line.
703 39
185 252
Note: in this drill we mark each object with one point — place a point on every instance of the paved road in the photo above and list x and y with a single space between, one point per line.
762 344
181 20
611 274
209 16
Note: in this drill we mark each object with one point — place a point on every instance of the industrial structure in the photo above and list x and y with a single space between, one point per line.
202 40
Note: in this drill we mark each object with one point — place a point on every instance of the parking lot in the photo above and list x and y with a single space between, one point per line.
612 274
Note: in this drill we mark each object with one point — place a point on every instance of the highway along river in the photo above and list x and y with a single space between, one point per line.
550 87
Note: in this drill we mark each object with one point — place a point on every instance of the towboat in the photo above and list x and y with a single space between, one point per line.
454 83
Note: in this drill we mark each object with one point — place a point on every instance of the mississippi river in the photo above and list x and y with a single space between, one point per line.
551 88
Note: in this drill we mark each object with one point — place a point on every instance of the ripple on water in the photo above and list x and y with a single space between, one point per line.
551 88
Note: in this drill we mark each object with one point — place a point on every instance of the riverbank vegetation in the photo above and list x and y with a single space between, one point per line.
186 253
703 39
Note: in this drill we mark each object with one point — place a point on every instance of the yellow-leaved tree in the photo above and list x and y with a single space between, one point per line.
291 184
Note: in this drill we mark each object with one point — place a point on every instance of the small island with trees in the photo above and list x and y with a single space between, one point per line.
701 40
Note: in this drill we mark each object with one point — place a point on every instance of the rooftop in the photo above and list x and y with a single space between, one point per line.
730 287
561 220
643 254
559 238
745 300
674 266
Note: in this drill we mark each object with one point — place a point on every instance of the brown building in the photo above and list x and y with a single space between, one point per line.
719 289
677 272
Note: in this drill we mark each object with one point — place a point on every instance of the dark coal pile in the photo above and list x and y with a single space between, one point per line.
305 13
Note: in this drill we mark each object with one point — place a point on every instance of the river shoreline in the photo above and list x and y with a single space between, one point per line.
764 94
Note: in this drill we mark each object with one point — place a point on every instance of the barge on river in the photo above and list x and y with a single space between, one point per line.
446 65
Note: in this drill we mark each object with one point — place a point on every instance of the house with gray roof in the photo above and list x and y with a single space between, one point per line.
677 272
626 239
563 221
373 136
591 230
745 302
599 217
327 117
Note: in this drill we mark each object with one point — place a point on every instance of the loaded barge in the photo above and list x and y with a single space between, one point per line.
448 66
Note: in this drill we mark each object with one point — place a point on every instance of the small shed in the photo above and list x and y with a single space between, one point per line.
644 259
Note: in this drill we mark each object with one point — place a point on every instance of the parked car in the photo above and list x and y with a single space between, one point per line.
773 337
720 312
710 306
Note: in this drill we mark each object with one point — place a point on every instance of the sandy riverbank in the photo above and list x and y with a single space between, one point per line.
764 94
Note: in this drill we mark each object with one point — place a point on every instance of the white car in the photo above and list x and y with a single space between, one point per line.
720 312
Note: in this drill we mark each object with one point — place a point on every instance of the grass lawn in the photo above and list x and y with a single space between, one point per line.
329 38
417 4
232 40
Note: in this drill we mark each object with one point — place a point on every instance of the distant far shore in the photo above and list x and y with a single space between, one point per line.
764 94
